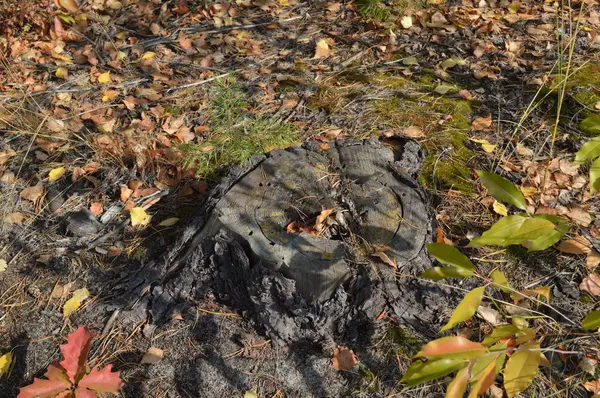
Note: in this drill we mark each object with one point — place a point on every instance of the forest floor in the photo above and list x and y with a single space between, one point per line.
110 105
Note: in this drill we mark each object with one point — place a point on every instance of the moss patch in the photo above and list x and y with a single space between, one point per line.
583 86
236 134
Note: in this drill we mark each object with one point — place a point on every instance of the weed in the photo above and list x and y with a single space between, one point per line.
236 134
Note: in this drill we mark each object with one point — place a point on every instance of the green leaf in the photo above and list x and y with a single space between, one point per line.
513 230
439 273
591 321
595 176
458 385
502 189
588 151
525 336
545 241
521 368
591 124
499 333
449 255
483 374
466 308
500 281
422 371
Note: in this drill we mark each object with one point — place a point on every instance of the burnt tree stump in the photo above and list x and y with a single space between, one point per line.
293 283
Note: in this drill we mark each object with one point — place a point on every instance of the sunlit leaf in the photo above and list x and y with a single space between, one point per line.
61 73
502 189
75 352
5 361
104 77
148 55
483 374
79 296
513 230
500 281
458 386
169 222
499 208
591 321
591 124
102 380
449 255
521 368
439 273
588 151
69 5
500 333
139 216
422 371
466 308
56 173
456 346
595 176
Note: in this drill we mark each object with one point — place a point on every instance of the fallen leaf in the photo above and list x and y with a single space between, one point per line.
125 193
385 258
322 49
406 22
153 356
14 218
592 260
61 73
485 145
32 193
482 123
69 5
56 173
3 265
413 132
465 94
499 208
139 216
575 246
5 361
79 296
104 77
169 222
581 217
592 386
524 151
588 365
344 359
489 315
321 219
96 208
591 284
148 55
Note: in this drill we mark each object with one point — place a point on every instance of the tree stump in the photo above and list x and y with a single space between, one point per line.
263 246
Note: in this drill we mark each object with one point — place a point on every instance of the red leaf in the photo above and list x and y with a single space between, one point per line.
76 352
102 380
81 392
41 388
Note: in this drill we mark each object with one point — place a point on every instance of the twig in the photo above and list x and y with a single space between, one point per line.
198 83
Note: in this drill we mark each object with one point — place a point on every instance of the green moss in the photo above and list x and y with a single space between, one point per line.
583 86
332 98
407 345
373 9
236 134
447 158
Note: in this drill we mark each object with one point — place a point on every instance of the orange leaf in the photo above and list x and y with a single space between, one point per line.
102 380
44 388
76 352
482 123
450 345
344 359
580 245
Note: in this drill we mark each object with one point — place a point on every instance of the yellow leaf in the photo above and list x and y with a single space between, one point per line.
169 222
528 191
406 22
5 361
115 5
148 55
56 173
284 3
3 265
121 56
104 77
521 368
105 98
74 302
139 216
499 208
466 308
69 5
62 73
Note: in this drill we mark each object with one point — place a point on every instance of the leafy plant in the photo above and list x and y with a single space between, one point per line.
536 232
478 364
72 378
590 151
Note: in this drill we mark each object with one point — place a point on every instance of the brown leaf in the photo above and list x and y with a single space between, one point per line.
385 258
153 356
69 5
321 219
592 386
482 123
413 132
32 193
580 245
465 94
125 193
581 217
344 359
592 260
591 284
14 218
322 49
